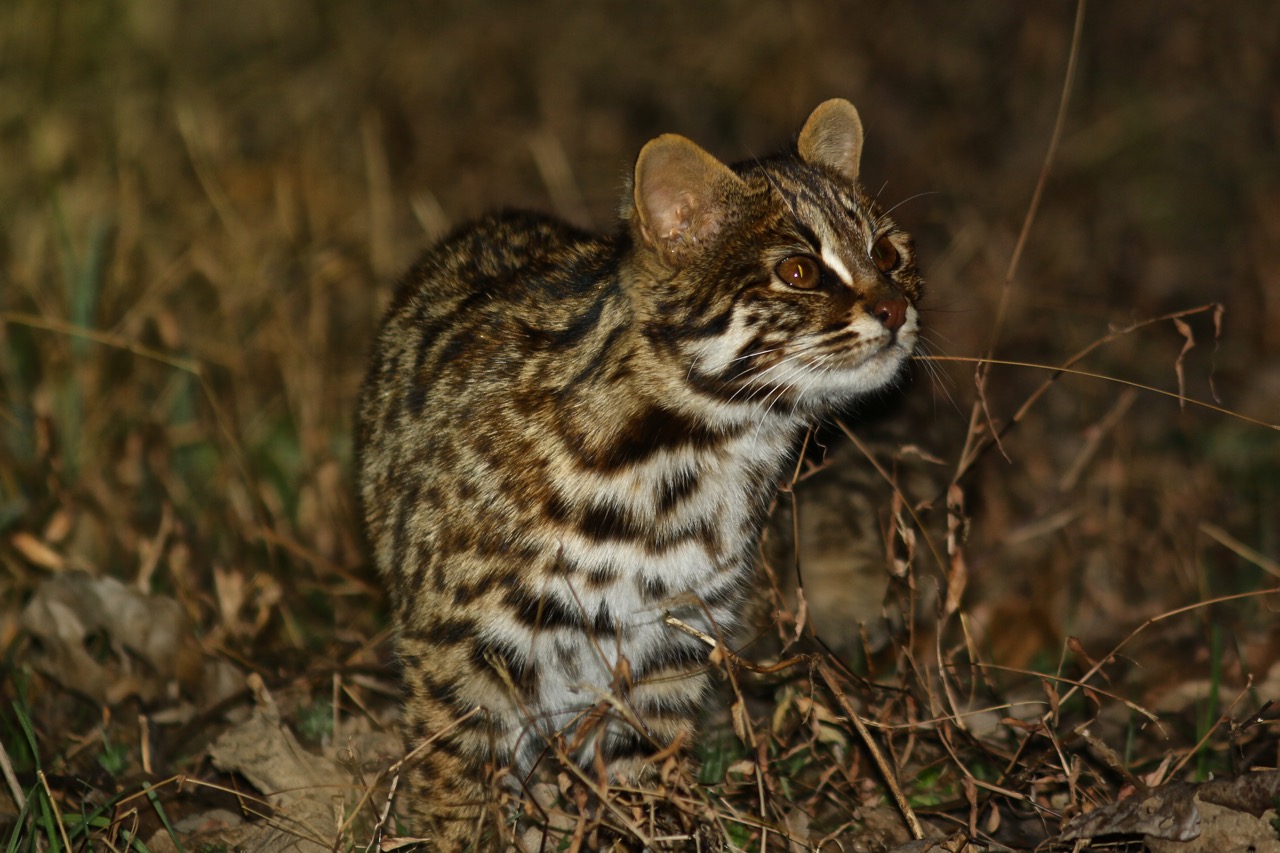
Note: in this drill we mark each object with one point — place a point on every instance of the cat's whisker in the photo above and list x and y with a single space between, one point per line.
930 333
757 353
777 188
926 348
789 362
782 384
885 215
754 380
774 385
746 374
808 377
940 380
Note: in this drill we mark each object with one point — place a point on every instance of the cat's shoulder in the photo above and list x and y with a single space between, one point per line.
507 251
518 227
510 239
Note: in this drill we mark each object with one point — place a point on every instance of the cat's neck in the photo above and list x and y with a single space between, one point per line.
661 357
653 419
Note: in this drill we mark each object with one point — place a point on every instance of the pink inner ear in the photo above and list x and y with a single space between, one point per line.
670 203
676 192
669 211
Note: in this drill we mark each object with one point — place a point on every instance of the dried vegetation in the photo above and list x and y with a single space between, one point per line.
1056 637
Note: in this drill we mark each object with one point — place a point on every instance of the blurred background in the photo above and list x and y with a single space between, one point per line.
204 206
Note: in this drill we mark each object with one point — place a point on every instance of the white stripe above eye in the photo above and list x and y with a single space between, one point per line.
837 266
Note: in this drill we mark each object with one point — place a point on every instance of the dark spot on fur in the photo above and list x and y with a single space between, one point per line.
449 632
544 611
726 593
625 744
567 658
679 654
654 430
604 622
489 652
605 522
600 577
675 488
655 588
554 508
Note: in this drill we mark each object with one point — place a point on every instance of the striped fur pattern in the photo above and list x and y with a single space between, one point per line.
565 437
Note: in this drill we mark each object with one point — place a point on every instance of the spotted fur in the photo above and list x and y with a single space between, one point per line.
564 437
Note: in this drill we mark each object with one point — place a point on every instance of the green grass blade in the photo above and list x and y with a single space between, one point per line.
164 818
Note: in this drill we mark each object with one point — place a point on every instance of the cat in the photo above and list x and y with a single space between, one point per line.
565 437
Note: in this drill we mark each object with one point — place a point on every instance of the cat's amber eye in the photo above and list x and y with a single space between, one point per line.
884 254
799 271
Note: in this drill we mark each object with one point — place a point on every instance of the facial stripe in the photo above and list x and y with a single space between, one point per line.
833 262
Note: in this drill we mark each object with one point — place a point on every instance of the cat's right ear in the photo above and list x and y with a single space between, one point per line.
832 137
680 193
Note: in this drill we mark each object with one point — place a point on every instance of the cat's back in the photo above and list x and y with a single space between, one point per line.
509 258
480 335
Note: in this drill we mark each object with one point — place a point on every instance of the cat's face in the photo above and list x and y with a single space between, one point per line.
788 287
818 294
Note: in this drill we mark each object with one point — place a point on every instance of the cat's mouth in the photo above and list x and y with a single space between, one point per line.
877 365
892 343
891 352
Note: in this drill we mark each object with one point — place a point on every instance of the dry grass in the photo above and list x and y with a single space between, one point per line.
203 206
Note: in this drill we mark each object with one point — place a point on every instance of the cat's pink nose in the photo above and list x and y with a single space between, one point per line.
891 313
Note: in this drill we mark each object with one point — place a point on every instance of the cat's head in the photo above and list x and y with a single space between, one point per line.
775 282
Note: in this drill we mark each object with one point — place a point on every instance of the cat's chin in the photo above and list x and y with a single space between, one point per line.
818 393
840 387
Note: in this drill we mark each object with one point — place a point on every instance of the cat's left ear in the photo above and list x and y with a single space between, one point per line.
680 195
832 137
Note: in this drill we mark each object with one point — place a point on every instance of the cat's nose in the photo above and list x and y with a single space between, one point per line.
891 313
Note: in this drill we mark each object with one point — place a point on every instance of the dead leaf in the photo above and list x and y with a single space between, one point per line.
1223 828
802 612
957 570
1218 310
306 791
1165 812
37 552
68 609
1188 344
741 721
951 844
205 831
797 823
1224 814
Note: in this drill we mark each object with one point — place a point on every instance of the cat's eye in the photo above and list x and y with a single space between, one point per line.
884 254
800 272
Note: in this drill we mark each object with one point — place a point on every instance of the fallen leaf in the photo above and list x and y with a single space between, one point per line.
67 609
37 552
305 790
1223 814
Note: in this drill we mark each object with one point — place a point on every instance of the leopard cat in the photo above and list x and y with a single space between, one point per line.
565 438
